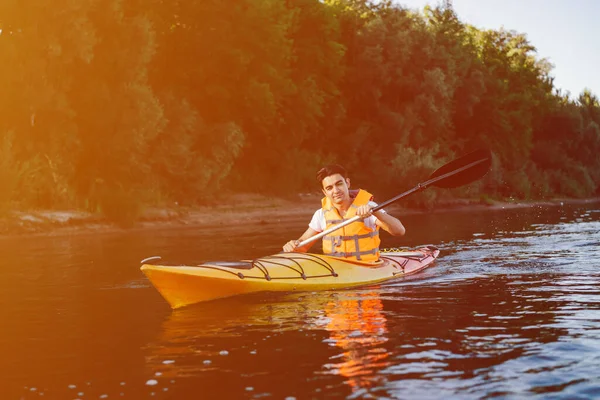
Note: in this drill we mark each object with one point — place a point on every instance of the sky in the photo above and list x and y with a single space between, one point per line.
565 32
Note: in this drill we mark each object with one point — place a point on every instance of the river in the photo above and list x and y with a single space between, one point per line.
511 309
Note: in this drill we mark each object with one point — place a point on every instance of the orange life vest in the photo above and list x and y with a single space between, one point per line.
355 241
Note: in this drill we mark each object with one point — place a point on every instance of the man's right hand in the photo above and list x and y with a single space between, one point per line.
291 246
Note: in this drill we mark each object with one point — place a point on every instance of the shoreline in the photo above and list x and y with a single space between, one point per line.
239 209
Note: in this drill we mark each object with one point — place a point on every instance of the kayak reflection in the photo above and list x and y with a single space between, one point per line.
357 325
248 335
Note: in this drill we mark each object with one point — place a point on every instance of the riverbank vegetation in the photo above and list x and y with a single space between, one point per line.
110 106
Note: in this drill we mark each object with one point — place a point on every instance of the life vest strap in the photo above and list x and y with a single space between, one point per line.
352 237
356 254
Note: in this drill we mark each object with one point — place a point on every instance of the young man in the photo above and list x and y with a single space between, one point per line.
358 240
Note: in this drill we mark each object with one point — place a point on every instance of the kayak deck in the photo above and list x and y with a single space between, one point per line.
183 285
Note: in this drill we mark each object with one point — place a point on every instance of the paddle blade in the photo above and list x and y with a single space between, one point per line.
463 170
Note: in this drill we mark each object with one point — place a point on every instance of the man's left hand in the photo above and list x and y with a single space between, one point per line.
364 211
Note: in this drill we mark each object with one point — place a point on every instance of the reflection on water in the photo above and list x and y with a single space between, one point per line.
511 310
353 322
357 325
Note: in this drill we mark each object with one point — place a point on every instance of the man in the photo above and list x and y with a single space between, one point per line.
358 240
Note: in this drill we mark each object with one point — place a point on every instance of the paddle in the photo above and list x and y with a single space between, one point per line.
459 172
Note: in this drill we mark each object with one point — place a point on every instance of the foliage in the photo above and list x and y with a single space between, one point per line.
105 101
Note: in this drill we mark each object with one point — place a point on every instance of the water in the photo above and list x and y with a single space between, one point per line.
510 310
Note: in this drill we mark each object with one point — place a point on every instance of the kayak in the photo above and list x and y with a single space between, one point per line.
182 285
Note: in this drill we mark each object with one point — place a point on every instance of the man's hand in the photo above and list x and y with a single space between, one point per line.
291 246
364 211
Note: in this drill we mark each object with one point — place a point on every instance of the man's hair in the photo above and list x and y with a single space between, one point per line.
329 170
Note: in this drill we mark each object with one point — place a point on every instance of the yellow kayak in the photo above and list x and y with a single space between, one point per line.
183 285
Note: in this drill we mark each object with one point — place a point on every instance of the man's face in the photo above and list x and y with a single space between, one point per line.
335 187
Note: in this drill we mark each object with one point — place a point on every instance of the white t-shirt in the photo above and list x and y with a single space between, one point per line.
318 223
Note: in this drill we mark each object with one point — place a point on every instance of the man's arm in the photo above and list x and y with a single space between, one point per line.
390 224
292 245
385 221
